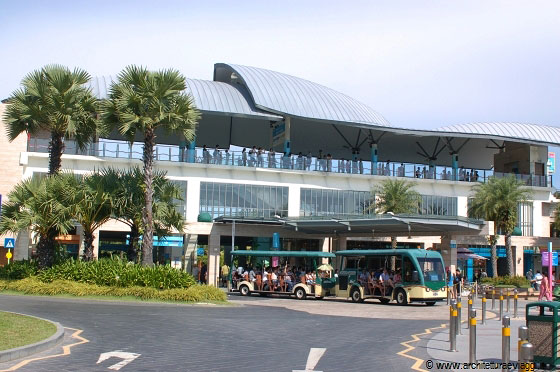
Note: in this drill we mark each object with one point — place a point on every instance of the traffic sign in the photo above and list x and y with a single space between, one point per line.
9 255
9 243
545 256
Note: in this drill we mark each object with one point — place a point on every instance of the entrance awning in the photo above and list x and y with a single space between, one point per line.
378 225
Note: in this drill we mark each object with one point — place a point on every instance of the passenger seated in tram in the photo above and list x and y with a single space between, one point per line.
309 279
387 282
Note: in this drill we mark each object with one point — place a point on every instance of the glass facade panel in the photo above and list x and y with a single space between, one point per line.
320 202
180 205
436 205
525 218
227 199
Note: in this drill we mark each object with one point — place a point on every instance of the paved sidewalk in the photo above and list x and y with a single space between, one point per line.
489 339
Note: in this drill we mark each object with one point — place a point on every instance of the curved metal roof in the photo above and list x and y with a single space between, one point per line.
210 96
522 131
285 94
220 97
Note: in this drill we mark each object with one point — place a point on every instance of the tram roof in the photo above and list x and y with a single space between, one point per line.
374 252
309 254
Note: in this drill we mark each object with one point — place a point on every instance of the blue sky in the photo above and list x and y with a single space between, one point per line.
421 64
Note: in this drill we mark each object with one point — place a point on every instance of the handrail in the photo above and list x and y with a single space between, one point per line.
122 149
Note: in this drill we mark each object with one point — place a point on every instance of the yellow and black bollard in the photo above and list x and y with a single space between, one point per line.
484 310
506 345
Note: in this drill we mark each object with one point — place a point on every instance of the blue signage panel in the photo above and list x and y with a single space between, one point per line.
545 256
9 243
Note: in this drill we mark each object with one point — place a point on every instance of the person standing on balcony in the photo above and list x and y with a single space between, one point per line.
329 163
348 166
227 156
205 155
361 166
271 158
260 158
216 155
308 161
299 161
244 157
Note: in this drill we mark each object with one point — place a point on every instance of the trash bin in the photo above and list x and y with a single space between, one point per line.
543 322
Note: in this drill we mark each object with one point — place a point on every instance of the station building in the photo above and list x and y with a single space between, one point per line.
323 154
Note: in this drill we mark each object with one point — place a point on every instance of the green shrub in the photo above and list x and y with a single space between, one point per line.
115 272
511 281
195 293
18 270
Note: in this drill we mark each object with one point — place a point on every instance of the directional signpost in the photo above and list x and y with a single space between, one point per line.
10 244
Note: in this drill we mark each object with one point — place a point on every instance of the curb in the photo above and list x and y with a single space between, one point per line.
27 350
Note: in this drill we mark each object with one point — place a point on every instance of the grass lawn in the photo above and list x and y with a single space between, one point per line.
19 330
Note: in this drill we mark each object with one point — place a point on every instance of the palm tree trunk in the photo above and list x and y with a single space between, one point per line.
147 215
132 252
393 258
494 257
45 251
509 255
88 246
56 148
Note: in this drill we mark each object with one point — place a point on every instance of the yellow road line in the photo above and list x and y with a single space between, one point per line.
65 351
417 361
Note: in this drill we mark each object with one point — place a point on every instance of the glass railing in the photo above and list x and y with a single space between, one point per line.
270 160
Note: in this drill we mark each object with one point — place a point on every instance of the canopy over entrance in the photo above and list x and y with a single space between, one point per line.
377 225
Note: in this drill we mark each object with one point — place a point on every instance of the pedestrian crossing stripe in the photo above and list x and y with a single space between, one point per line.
9 243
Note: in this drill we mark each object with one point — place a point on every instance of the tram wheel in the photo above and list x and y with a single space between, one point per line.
430 303
300 293
355 295
244 290
401 297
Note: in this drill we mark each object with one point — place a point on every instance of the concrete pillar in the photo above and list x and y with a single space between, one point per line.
462 206
190 242
213 259
21 251
294 200
449 252
326 247
287 142
193 200
339 244
518 259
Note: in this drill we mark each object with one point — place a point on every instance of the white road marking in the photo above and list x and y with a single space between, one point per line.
315 354
126 358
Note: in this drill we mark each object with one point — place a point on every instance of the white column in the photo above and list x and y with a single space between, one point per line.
326 247
96 243
462 206
80 232
189 251
213 259
193 200
538 228
294 200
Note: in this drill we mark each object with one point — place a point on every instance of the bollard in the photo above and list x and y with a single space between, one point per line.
507 299
515 303
493 298
469 308
476 290
452 326
472 336
526 359
527 295
506 332
459 315
501 304
523 335
483 310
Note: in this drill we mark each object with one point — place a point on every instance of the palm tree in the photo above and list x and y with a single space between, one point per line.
497 200
125 188
91 205
53 99
35 204
398 197
140 102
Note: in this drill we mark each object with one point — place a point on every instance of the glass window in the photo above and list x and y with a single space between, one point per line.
320 202
408 268
436 205
226 199
432 269
525 218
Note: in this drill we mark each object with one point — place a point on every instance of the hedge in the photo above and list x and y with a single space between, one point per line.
512 281
195 293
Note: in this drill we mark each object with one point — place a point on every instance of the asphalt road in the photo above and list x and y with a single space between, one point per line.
218 338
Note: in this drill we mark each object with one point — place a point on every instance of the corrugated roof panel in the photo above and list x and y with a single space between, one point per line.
523 131
290 95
